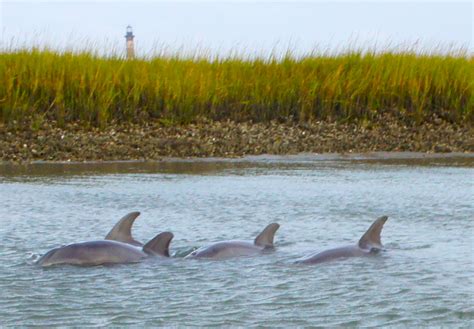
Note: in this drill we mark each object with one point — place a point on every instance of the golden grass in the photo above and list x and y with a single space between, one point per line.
38 84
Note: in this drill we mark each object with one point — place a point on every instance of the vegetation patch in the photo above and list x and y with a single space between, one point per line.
38 85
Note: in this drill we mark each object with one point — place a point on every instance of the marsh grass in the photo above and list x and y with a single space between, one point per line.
41 84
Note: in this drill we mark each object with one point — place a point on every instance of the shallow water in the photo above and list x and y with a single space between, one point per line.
424 279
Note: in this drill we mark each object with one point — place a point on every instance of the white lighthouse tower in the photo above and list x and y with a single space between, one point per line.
130 46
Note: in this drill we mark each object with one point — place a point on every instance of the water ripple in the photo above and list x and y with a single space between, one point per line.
424 279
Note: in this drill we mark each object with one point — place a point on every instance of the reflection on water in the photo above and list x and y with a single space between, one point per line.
211 165
424 279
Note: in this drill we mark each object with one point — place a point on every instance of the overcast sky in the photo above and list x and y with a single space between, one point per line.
243 26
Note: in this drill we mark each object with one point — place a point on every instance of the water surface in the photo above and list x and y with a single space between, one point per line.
424 279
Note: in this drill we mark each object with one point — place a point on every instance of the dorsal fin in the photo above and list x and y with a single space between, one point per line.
159 245
265 239
122 231
371 238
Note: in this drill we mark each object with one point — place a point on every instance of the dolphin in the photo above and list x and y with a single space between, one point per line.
122 231
100 252
368 244
235 248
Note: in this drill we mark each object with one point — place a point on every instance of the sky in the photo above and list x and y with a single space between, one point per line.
243 27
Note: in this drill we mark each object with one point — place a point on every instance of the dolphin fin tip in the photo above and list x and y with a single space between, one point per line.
265 238
122 231
371 238
159 245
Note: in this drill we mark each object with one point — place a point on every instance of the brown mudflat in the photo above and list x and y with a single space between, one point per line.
153 140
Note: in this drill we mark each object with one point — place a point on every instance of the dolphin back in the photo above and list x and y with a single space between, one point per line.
265 239
92 253
371 238
159 245
122 231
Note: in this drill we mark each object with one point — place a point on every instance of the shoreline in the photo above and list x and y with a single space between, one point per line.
154 141
213 164
273 158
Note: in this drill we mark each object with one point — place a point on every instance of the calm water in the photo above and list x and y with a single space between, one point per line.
424 279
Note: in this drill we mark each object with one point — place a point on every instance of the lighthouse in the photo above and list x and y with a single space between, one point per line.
130 46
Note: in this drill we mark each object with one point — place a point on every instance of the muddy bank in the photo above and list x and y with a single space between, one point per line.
152 141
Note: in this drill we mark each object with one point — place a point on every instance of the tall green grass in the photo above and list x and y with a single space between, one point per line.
38 84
